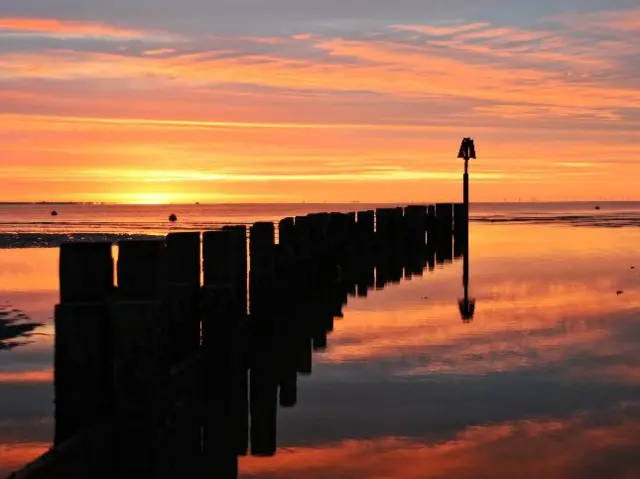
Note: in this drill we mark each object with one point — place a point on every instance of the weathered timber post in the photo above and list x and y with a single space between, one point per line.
82 363
383 237
224 343
221 362
299 296
432 226
383 226
365 226
444 247
398 230
416 224
351 227
139 345
239 239
139 322
289 328
286 233
415 219
363 251
183 294
263 373
444 216
460 219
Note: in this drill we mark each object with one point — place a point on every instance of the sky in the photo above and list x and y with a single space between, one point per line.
159 101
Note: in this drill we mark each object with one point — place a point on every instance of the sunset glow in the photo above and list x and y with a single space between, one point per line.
222 107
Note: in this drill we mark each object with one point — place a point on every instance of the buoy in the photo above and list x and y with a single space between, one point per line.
54 213
173 218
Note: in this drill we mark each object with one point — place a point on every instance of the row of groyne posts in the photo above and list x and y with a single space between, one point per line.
181 366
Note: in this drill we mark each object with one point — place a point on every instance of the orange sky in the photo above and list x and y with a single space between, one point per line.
321 106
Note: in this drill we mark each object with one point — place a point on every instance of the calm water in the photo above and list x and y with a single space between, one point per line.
78 219
545 382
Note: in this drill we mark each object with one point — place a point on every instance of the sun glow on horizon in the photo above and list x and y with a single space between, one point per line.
150 198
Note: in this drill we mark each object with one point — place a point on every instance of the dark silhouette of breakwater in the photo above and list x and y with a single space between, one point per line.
181 368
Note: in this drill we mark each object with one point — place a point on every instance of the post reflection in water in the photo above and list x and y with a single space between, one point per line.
466 305
222 402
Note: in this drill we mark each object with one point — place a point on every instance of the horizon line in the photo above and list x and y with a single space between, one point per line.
195 203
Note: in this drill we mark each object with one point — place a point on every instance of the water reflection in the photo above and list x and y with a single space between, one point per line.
549 368
466 305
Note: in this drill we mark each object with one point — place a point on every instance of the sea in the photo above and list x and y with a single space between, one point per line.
543 381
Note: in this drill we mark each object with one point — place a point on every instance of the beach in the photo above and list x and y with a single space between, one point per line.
544 381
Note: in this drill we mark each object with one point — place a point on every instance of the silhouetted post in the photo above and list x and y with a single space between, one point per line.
460 219
221 347
397 227
288 329
317 223
262 258
286 233
82 370
86 272
365 225
263 373
337 239
416 221
139 322
467 151
383 226
444 216
444 219
351 227
239 250
415 218
224 344
432 226
183 265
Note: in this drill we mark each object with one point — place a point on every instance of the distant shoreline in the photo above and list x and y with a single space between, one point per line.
90 203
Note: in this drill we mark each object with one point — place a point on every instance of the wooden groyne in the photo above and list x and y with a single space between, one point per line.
174 359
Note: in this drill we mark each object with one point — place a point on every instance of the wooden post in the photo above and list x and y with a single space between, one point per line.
288 326
365 225
398 230
183 258
263 374
86 272
224 415
139 322
383 225
224 346
444 215
183 295
239 239
351 227
286 232
415 217
142 270
460 218
82 362
432 226
262 263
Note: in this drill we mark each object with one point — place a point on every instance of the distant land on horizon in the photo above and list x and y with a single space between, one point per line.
249 203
